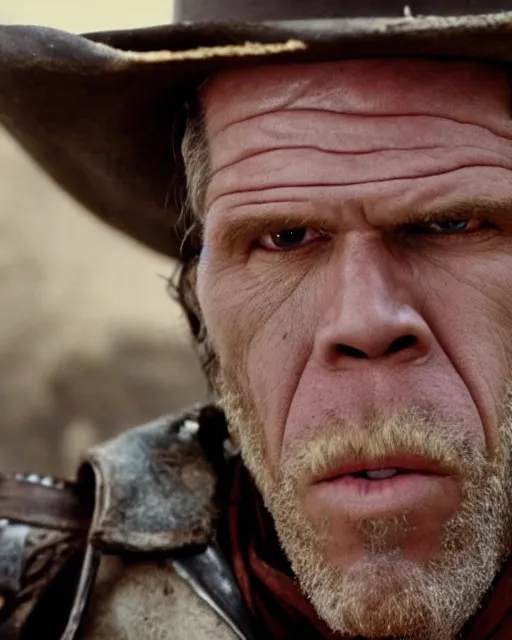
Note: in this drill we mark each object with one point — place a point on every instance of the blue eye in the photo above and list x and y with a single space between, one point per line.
449 226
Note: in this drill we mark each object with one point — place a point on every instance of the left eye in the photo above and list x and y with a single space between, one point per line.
289 239
451 226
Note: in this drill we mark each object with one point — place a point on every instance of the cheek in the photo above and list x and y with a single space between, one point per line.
275 363
471 309
262 328
230 305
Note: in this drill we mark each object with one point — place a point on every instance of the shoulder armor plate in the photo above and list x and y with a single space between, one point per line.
155 485
152 489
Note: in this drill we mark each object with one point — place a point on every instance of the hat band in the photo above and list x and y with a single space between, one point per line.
275 10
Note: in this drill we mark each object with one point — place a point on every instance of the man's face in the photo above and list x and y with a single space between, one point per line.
355 283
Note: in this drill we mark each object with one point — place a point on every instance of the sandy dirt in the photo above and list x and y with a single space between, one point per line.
90 342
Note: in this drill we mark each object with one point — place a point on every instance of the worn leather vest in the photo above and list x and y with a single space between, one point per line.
128 550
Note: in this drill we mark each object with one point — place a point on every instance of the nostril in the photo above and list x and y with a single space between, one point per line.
351 352
400 344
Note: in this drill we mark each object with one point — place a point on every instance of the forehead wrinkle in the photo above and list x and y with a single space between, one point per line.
490 127
235 189
398 87
345 136
335 152
265 104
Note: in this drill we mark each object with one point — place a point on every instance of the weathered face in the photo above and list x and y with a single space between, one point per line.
356 285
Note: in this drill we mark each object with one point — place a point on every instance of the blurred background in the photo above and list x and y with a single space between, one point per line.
90 341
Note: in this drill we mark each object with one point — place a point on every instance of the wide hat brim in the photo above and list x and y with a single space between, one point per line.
104 113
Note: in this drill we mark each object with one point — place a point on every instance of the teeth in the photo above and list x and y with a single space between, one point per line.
381 474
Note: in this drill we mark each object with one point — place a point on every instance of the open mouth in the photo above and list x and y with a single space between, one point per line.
382 487
379 474
384 469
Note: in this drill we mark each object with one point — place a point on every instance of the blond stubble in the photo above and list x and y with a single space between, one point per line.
385 594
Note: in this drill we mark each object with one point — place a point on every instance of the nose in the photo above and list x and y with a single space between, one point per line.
370 313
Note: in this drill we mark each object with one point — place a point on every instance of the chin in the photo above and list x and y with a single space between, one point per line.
386 578
385 595
414 537
406 575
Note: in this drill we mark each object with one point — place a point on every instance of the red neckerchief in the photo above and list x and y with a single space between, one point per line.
273 595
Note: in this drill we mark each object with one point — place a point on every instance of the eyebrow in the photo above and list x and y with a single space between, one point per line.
240 227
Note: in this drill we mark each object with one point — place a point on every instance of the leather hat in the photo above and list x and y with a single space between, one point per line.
103 113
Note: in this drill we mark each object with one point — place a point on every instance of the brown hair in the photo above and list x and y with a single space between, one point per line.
195 153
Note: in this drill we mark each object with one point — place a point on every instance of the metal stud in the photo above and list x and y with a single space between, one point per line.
190 427
188 430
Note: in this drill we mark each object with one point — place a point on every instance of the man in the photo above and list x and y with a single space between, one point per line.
344 181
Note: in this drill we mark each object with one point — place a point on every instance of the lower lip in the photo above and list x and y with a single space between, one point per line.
362 498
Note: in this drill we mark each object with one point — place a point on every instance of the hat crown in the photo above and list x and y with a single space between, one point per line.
274 10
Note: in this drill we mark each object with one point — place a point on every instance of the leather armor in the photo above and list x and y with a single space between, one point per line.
153 493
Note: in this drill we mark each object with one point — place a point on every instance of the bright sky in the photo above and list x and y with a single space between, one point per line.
86 15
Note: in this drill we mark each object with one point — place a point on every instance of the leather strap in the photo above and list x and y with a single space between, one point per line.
210 576
275 10
55 505
83 593
43 530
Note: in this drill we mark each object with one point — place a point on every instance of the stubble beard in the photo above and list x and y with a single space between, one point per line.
385 594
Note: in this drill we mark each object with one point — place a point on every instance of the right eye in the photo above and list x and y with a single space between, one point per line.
290 239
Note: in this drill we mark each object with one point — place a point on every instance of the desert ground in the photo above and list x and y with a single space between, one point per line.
90 341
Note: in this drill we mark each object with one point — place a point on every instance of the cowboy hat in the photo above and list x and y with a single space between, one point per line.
104 113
